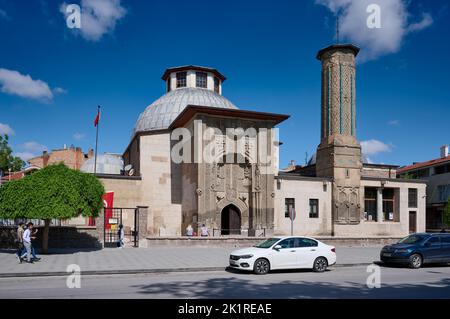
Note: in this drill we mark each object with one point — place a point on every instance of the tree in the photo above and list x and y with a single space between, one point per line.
55 191
7 160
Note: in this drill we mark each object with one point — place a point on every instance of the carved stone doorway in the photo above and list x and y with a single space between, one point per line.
230 221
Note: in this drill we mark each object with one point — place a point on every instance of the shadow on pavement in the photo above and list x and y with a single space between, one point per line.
227 287
53 251
283 271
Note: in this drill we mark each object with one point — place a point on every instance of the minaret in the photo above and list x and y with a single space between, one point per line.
339 153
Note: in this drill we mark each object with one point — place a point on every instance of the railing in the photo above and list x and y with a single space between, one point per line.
238 232
36 222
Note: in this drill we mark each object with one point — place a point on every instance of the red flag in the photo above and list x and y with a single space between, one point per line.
97 118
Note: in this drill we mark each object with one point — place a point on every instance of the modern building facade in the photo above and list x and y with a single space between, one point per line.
436 173
195 158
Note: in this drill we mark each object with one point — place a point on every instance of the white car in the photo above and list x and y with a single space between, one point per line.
292 252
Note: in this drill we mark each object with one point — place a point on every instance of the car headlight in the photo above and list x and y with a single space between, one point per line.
246 256
403 251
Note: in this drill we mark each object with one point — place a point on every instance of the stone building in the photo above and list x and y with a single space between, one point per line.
195 158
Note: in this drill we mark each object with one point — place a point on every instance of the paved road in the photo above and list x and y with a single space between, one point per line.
111 259
349 282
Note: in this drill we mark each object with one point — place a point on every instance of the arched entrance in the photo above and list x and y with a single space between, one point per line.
230 220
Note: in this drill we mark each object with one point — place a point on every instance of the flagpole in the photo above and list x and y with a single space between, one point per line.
96 142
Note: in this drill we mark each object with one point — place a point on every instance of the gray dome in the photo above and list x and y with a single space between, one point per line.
161 113
106 164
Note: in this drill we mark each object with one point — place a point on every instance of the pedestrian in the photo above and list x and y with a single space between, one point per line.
19 239
204 231
33 250
26 239
189 231
121 235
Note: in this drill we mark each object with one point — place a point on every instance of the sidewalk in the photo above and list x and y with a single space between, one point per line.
150 260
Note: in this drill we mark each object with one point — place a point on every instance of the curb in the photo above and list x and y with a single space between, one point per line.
139 271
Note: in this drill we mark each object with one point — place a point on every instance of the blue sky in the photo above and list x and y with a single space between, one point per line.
52 78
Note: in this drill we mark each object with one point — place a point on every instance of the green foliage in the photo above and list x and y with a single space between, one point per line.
52 192
447 213
7 160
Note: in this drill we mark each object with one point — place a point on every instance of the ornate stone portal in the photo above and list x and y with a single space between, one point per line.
234 191
339 153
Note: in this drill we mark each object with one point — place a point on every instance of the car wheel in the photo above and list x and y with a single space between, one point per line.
320 264
415 261
261 266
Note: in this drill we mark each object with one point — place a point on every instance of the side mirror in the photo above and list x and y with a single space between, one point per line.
427 245
277 247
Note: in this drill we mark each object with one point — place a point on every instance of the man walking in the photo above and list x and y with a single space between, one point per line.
20 231
27 241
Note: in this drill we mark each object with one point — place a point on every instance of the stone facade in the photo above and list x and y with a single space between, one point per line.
339 153
333 196
242 183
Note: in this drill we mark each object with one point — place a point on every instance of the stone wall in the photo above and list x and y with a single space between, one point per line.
161 181
302 190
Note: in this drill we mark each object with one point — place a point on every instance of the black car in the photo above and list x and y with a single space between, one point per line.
417 249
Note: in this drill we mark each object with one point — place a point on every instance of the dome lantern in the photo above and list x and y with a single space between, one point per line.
193 76
186 85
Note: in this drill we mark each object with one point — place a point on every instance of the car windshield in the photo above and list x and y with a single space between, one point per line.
267 243
412 239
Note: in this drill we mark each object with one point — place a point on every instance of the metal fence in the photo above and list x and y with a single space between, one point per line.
36 222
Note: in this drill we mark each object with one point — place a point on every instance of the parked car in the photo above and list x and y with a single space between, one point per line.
418 249
284 253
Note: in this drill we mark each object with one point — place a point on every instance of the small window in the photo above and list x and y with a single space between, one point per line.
370 204
412 197
201 79
169 85
181 79
313 208
289 203
216 85
389 209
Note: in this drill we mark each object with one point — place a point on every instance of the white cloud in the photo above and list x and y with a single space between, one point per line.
15 83
79 136
6 129
426 21
98 17
33 147
375 42
373 147
25 156
394 122
59 90
30 149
